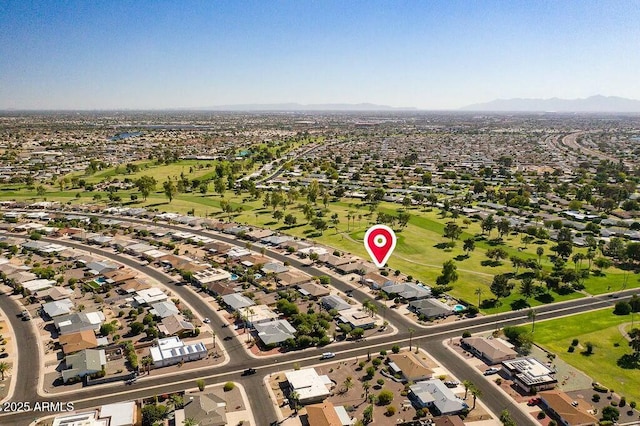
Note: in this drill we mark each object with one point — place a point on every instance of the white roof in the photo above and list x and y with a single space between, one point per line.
59 307
36 285
308 383
150 295
121 414
154 254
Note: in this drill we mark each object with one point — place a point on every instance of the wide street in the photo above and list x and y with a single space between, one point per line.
428 338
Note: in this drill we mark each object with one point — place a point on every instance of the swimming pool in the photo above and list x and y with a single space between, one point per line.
233 277
100 280
459 308
257 276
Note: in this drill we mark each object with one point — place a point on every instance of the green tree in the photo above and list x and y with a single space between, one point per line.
500 286
4 367
146 185
452 230
449 273
469 245
488 224
170 189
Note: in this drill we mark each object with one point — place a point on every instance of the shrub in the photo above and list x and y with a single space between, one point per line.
380 381
376 362
623 402
420 412
575 342
383 353
571 349
541 415
385 397
200 384
229 386
595 397
391 410
466 334
498 381
632 404
395 349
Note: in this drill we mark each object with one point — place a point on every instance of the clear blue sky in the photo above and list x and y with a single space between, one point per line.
95 54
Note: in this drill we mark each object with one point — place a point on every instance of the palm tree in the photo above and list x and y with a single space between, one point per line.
189 422
411 331
478 292
146 362
365 387
467 385
476 393
539 252
294 397
176 401
348 383
4 367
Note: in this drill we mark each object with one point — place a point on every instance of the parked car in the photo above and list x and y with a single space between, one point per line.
25 315
249 371
451 384
131 380
533 401
492 370
327 355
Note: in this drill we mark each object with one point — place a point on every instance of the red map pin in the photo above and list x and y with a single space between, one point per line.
380 240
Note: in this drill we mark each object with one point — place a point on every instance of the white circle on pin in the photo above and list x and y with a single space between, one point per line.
380 241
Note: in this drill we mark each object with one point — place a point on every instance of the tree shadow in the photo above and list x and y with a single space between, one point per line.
545 298
628 362
516 305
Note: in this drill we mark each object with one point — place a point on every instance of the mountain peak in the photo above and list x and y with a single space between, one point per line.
596 103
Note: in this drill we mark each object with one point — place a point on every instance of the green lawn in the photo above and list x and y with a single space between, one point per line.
601 328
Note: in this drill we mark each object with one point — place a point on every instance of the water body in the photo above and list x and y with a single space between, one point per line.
125 135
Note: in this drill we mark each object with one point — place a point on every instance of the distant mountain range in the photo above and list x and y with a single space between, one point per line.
286 107
596 103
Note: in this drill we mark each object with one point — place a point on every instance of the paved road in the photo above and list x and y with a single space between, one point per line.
428 338
28 353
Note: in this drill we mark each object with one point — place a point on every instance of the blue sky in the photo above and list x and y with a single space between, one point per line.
425 54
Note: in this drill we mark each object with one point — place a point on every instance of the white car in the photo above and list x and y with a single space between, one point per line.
206 320
492 370
327 355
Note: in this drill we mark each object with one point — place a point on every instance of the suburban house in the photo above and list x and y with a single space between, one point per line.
57 308
430 308
327 414
175 325
118 414
409 367
562 407
237 301
210 275
101 267
375 280
407 291
356 317
493 351
205 408
172 350
434 394
164 309
313 290
309 386
258 314
79 321
149 296
87 361
75 342
292 277
334 301
530 374
274 332
448 421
